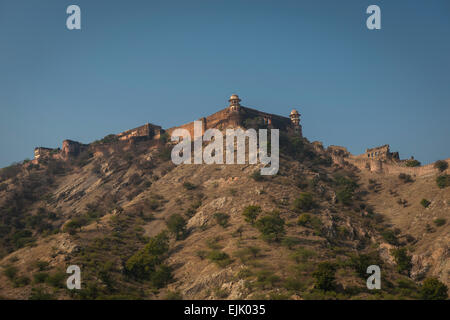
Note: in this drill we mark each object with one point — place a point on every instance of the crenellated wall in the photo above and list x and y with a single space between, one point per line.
380 160
232 118
148 130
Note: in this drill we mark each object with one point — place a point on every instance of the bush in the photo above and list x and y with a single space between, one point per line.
107 139
21 281
41 265
40 277
362 261
344 197
310 221
189 186
439 222
201 254
222 219
390 237
247 254
144 263
10 171
293 284
256 175
219 257
56 280
406 178
135 179
266 279
22 237
161 276
425 203
441 165
221 293
271 227
325 276
412 163
303 255
40 294
290 242
443 181
74 225
10 272
251 213
3 187
433 289
304 203
402 259
304 219
177 225
345 190
173 295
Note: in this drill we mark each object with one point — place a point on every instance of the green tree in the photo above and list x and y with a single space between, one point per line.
345 189
144 263
433 289
251 213
406 178
412 163
362 261
443 181
425 203
304 202
439 222
325 276
390 237
402 259
177 225
74 225
441 165
221 258
189 186
222 219
161 276
271 226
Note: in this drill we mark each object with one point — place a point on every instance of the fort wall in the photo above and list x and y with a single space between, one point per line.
148 130
379 160
229 118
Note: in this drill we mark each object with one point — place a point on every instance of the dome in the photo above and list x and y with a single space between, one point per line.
234 97
294 112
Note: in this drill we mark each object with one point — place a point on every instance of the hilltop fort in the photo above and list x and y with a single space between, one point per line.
377 160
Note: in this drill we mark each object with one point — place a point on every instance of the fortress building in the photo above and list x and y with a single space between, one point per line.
233 116
42 153
381 153
146 131
377 160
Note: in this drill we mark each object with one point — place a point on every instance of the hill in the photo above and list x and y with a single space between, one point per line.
140 227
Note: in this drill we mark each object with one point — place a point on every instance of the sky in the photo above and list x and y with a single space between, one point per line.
170 62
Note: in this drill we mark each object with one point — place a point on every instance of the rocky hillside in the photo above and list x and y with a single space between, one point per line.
140 227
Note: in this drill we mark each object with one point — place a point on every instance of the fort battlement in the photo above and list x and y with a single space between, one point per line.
148 130
235 116
232 116
380 153
45 153
379 160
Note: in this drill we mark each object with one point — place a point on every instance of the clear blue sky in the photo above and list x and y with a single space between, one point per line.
170 62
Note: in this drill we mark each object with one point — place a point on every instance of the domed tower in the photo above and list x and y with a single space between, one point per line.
234 102
295 119
234 116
